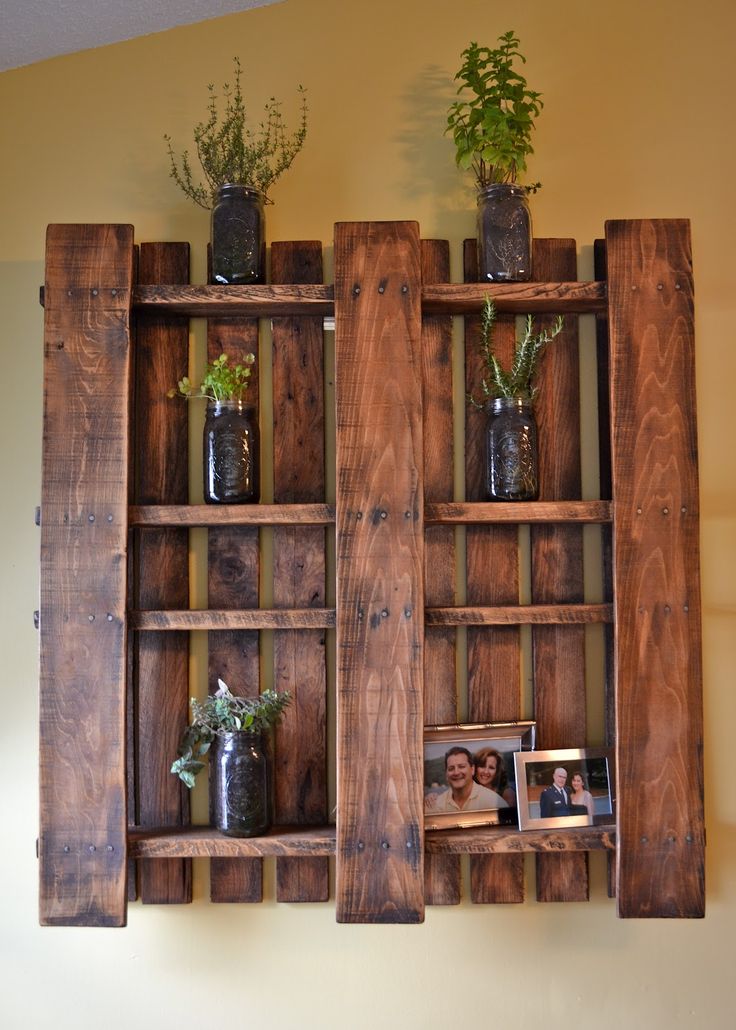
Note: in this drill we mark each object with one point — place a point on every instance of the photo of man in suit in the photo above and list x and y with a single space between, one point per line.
555 800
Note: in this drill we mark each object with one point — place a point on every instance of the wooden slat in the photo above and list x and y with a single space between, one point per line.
507 841
304 842
442 882
513 298
520 615
299 571
226 619
380 544
493 654
557 562
656 578
437 299
232 515
82 844
518 512
233 583
162 560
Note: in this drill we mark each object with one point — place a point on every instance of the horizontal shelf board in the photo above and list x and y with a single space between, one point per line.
203 842
520 298
520 615
226 619
483 841
441 298
243 301
231 515
518 512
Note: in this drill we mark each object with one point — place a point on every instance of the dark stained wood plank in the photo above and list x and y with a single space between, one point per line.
442 881
520 615
161 562
232 515
82 841
233 583
380 541
513 298
518 512
307 843
257 301
222 620
300 793
656 578
493 654
557 562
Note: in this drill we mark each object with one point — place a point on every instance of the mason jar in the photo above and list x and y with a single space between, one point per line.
512 457
504 233
231 458
238 236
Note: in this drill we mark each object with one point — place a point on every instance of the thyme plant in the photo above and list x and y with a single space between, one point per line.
492 123
220 713
518 380
230 151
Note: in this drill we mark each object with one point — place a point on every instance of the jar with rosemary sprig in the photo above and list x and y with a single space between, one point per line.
240 165
231 460
507 396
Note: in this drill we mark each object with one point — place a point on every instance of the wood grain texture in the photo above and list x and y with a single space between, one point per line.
161 578
226 619
518 512
82 843
557 561
307 843
231 515
501 841
233 583
493 653
442 881
299 571
520 615
380 544
656 575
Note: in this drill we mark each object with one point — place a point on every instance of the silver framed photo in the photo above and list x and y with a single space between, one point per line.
469 773
565 787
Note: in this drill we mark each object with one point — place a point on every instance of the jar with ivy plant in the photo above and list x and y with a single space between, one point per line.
231 458
507 396
233 733
491 126
240 165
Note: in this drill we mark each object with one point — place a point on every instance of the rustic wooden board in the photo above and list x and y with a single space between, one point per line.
299 571
220 619
232 515
380 544
557 562
233 573
161 578
82 845
442 881
656 576
493 654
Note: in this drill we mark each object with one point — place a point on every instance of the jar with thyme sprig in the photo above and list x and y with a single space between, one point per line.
507 396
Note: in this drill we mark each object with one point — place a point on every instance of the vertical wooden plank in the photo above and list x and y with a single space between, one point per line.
660 854
161 660
82 845
493 654
299 571
441 872
233 574
557 562
380 544
604 448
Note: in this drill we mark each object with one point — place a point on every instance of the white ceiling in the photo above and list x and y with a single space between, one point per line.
33 30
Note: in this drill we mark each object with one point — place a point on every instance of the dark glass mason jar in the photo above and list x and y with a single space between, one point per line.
238 236
512 459
231 459
504 233
240 783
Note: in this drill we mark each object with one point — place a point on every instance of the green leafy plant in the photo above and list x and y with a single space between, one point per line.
518 380
222 382
221 713
229 151
492 123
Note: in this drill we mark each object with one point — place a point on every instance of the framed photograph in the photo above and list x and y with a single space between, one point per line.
469 773
568 787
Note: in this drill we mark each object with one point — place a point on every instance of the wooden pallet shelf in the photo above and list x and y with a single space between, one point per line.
115 619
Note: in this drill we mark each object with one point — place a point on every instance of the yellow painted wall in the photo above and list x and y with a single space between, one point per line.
638 122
